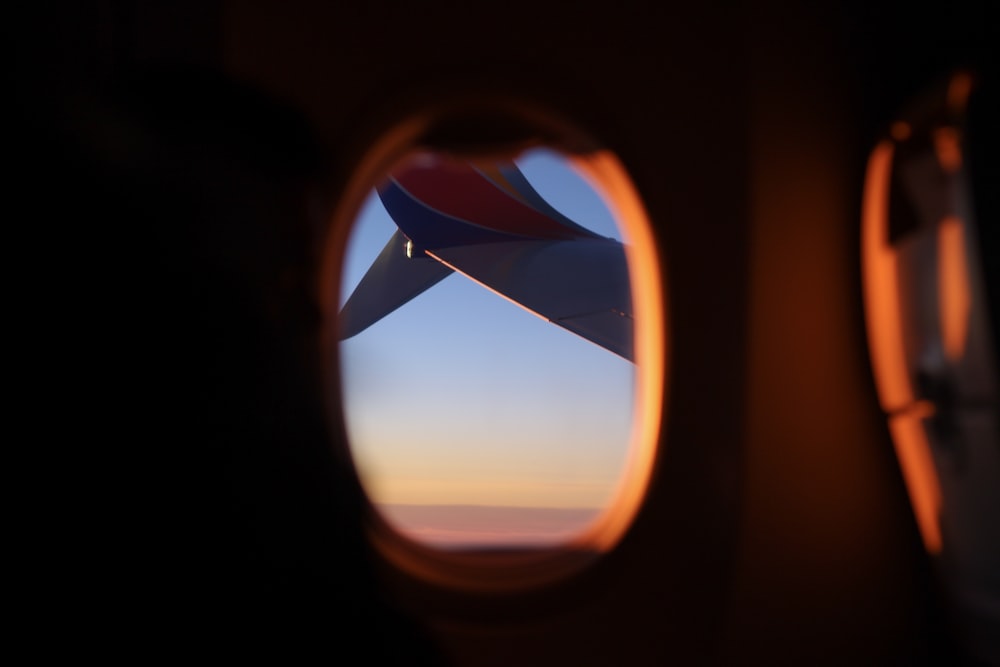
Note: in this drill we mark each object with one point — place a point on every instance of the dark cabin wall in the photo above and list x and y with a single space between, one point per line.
831 569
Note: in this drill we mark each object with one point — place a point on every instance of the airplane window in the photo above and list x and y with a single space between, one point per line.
488 354
932 337
929 327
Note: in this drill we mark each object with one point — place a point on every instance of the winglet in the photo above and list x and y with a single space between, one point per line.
392 280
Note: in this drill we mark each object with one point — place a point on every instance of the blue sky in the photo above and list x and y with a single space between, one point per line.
462 398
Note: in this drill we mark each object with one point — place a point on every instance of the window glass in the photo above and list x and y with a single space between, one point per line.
486 352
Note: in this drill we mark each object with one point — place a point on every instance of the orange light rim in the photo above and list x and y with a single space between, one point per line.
511 571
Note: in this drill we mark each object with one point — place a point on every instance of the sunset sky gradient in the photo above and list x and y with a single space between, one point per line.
461 398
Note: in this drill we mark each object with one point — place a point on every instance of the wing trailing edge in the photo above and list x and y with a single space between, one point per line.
580 285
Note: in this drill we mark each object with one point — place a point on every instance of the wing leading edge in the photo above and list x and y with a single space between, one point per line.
492 227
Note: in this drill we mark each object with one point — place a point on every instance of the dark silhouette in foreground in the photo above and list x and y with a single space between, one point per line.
194 500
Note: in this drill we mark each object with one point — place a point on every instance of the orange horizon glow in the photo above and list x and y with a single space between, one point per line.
462 526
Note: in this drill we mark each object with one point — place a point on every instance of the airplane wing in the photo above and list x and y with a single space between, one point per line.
490 225
580 285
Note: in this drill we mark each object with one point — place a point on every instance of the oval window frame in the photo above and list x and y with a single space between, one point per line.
457 126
